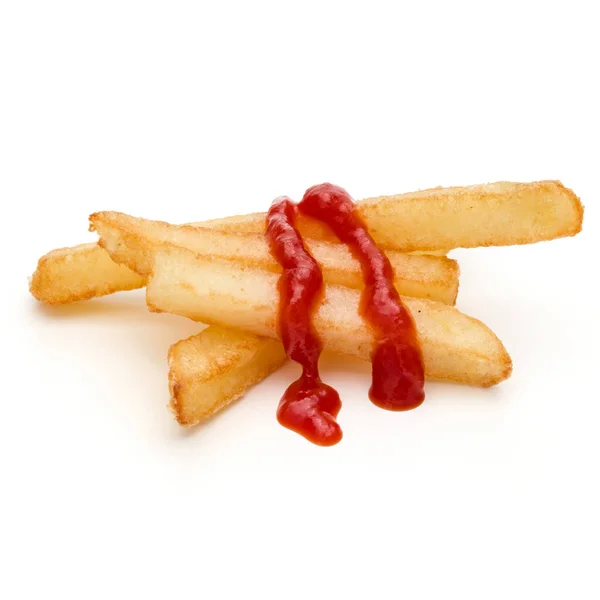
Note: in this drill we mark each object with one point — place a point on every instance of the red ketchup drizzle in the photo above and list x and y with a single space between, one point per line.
308 407
397 369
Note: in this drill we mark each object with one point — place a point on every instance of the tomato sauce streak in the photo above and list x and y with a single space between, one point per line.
308 407
397 369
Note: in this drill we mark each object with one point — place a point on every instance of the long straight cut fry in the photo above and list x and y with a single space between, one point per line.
86 271
455 347
493 214
132 242
482 215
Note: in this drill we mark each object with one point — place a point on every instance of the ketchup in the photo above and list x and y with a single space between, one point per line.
309 406
397 365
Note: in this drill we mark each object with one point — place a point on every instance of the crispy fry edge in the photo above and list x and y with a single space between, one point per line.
79 273
455 347
64 276
212 369
133 241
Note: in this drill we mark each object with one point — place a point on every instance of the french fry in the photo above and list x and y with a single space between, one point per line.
221 273
455 347
210 370
86 271
80 273
132 242
494 214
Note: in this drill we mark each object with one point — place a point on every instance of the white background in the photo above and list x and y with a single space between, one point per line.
188 111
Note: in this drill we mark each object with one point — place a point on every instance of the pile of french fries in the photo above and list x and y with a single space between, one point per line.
221 273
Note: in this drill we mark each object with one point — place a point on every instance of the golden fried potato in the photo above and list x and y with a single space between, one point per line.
80 273
494 214
210 370
132 242
483 215
455 347
83 272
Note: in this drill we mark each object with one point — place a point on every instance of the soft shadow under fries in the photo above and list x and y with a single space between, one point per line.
125 305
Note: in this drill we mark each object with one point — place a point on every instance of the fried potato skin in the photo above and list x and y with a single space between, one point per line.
499 214
212 369
455 347
493 214
67 275
82 272
86 271
132 242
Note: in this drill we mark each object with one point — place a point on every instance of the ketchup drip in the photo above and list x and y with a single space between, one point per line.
397 369
308 407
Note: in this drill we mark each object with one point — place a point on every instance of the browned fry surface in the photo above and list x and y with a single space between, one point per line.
133 242
80 273
210 370
482 215
494 214
455 347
